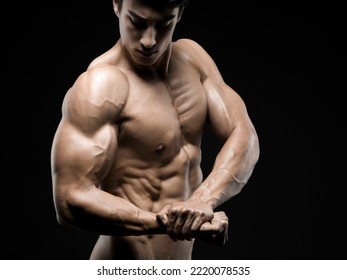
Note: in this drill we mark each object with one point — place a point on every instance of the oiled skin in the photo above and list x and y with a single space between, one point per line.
126 155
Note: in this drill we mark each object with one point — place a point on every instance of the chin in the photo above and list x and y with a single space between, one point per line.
145 60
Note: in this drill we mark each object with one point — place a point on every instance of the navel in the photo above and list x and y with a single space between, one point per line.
161 147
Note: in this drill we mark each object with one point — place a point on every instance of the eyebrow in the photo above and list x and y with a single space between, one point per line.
166 18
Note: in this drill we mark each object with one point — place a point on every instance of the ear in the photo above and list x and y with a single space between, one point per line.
180 12
115 7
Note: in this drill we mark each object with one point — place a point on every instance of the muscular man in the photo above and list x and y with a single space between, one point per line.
126 155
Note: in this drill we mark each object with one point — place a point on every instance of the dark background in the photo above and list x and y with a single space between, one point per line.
286 59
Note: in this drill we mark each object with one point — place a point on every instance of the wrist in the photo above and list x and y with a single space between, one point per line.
205 196
150 223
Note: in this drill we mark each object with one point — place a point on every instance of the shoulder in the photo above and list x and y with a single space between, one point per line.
193 53
190 49
97 97
188 45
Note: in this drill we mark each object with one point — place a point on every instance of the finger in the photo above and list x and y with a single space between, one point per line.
216 235
222 237
199 220
177 228
162 216
216 225
207 226
220 215
187 229
172 217
182 226
178 219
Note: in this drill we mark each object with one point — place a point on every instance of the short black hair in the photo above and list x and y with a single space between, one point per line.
159 4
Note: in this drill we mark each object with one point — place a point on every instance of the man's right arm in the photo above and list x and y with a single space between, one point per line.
82 152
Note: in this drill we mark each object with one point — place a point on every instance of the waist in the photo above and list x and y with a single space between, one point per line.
149 247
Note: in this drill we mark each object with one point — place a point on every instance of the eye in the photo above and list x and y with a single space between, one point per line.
137 23
163 24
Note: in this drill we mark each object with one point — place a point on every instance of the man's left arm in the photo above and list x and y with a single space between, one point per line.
239 154
232 168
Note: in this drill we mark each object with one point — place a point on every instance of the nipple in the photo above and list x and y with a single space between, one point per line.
161 147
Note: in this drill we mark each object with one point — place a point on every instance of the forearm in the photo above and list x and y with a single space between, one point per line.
233 167
99 212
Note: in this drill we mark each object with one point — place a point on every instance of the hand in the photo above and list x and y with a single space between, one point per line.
216 230
184 219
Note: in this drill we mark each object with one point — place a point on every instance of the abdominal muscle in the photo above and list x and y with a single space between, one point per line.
151 189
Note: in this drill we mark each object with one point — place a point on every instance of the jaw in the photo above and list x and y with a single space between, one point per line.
156 63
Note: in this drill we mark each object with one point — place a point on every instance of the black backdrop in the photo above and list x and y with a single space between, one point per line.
286 59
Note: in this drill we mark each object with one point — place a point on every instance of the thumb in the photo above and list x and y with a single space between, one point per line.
162 215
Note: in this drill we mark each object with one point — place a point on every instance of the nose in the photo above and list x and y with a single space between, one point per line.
148 38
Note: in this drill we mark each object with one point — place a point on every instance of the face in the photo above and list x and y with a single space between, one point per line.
146 33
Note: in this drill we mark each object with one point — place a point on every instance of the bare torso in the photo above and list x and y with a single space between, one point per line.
158 155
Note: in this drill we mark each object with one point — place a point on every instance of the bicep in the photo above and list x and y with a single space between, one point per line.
86 139
226 109
80 160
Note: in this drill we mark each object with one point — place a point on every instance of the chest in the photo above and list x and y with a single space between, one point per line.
159 115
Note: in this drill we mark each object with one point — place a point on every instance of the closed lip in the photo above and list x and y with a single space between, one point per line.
147 54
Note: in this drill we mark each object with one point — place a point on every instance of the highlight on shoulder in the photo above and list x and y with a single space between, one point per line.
97 96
